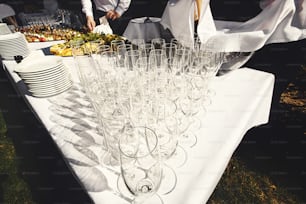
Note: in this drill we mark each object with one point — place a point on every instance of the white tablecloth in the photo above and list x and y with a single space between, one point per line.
143 28
242 101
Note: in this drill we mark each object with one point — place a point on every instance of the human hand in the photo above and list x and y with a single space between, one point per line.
91 24
112 14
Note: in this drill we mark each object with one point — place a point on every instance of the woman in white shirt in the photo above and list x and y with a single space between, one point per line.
111 9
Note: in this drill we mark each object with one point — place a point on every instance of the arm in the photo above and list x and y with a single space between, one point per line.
119 10
122 6
87 9
13 21
198 9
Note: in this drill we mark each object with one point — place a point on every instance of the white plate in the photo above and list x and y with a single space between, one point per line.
46 78
14 45
40 95
50 83
13 41
10 36
50 88
44 73
41 64
51 93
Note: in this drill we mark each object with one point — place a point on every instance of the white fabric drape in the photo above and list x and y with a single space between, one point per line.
178 17
279 21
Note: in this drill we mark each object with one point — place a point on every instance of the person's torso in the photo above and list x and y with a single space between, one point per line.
105 5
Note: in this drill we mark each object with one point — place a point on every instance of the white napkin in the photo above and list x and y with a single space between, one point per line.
104 27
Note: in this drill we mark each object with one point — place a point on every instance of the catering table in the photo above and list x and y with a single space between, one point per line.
146 28
242 101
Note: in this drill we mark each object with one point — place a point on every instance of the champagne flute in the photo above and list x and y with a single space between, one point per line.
121 52
140 171
90 78
170 51
145 49
158 43
116 43
136 43
131 57
168 151
212 63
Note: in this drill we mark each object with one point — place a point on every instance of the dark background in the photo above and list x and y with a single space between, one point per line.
138 8
276 149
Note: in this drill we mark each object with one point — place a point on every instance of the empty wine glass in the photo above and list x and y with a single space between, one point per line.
121 53
116 43
158 58
178 42
140 171
170 49
108 60
90 79
158 43
181 61
212 63
136 43
113 125
97 49
131 57
93 46
171 156
145 49
78 48
102 48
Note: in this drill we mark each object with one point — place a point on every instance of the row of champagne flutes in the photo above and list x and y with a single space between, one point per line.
147 97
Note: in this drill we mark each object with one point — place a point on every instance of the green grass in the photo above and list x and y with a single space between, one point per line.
241 185
13 189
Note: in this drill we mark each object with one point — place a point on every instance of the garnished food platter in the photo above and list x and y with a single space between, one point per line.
45 33
65 50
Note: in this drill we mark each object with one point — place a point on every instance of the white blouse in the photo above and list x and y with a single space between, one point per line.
105 5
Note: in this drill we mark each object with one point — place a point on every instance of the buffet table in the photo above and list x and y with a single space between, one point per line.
146 28
242 101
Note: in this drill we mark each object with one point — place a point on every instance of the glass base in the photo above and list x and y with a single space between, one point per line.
110 163
188 139
154 199
168 182
178 159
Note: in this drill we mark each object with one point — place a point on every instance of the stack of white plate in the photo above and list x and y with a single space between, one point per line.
45 76
13 44
4 29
